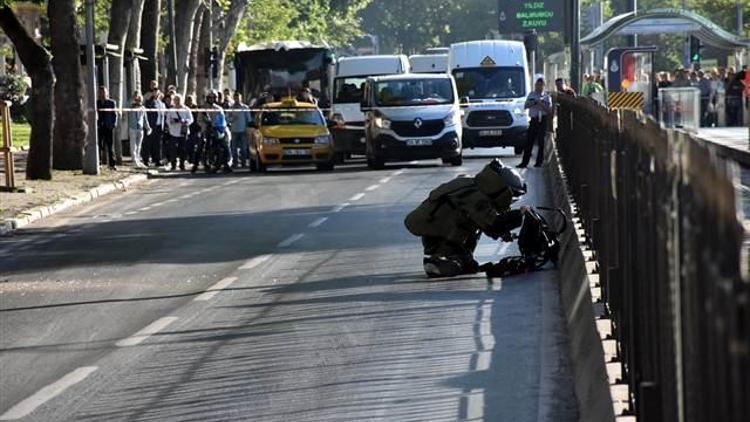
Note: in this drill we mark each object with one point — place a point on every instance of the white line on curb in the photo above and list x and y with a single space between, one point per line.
215 289
357 197
28 405
372 188
290 240
146 332
339 208
254 262
318 222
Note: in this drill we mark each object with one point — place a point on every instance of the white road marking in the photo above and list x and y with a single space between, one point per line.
475 405
339 208
413 162
29 404
131 213
290 240
385 180
215 289
146 332
357 197
318 222
249 265
398 172
372 188
484 359
145 208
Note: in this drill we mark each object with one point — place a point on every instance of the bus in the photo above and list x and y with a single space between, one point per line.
283 69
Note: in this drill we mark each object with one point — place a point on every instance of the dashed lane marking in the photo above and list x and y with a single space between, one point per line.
215 289
146 332
385 180
254 262
28 405
318 222
339 208
357 197
372 188
289 241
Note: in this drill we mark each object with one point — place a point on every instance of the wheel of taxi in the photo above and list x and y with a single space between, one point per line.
455 161
325 166
375 163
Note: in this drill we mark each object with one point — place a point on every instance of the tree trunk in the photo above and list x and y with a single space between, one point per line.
119 22
195 65
150 28
37 62
70 127
230 22
202 75
184 16
133 42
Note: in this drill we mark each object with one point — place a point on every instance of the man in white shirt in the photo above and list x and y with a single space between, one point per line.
178 119
539 104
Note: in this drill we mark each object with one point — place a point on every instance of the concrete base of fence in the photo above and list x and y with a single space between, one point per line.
577 283
7 227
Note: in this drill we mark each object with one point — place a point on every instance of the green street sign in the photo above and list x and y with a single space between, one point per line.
517 16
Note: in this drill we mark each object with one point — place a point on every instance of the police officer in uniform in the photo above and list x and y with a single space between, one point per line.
453 217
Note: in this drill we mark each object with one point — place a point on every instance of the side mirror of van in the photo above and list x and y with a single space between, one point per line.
331 123
465 101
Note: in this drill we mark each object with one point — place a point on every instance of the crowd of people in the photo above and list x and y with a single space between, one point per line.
165 130
712 84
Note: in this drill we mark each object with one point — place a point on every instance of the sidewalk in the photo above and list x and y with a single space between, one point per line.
66 189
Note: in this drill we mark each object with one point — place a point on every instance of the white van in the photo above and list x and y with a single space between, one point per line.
493 81
349 80
429 63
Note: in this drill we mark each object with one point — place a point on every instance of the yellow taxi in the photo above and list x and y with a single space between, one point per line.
290 132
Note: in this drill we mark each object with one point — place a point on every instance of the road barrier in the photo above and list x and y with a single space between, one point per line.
659 210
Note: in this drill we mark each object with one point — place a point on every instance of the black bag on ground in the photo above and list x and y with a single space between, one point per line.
537 242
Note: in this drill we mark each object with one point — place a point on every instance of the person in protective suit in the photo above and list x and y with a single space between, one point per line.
453 217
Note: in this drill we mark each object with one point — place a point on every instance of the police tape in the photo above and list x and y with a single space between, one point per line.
208 110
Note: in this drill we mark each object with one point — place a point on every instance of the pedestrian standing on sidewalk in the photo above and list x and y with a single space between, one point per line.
179 118
137 124
152 144
239 121
106 124
539 104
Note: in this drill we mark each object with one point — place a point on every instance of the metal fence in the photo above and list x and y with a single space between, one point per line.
660 211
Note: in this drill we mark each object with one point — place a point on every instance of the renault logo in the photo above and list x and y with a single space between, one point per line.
296 141
417 123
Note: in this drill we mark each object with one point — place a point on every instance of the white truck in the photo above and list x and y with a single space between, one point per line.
348 84
429 63
493 81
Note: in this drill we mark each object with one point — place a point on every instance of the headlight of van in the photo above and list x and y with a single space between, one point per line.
323 140
270 141
382 123
452 119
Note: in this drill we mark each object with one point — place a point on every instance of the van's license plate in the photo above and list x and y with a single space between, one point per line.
419 142
490 133
296 152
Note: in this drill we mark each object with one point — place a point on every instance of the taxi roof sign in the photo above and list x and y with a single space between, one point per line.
487 61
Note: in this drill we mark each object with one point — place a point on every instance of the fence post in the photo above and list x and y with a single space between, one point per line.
10 176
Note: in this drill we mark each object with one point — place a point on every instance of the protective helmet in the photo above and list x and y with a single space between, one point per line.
496 178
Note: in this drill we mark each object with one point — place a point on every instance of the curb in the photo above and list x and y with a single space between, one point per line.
596 371
9 226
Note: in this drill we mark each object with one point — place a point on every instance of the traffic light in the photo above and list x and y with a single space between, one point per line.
695 49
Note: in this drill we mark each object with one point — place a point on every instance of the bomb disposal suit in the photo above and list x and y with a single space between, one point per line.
451 220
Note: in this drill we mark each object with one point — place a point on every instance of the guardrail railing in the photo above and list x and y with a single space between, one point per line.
659 209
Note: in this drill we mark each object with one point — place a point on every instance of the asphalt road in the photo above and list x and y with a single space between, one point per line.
295 295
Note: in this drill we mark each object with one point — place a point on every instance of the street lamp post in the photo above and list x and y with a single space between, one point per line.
91 152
